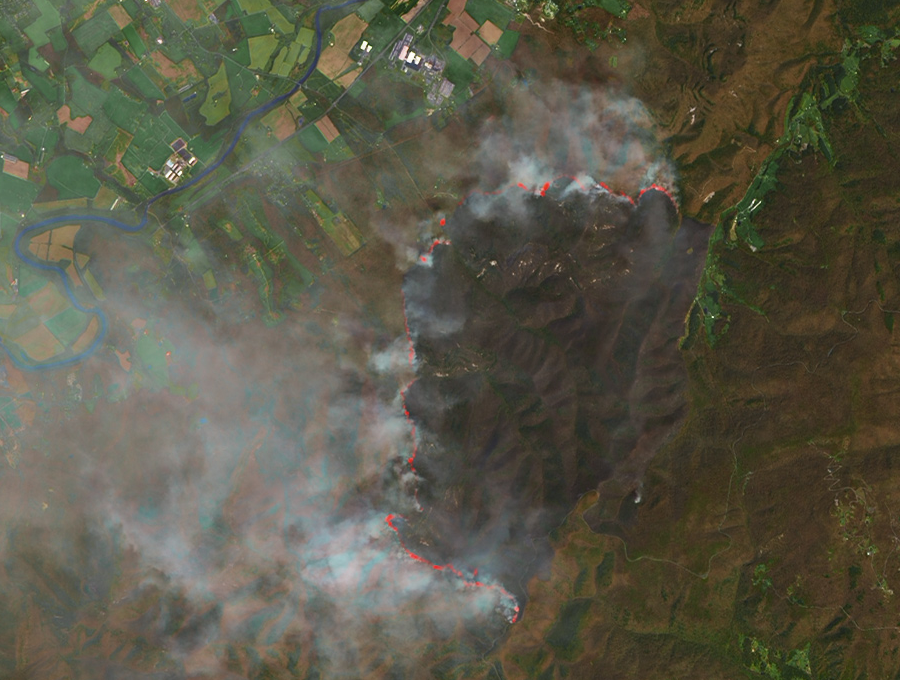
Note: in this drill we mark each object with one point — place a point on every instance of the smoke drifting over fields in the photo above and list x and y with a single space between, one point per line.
236 528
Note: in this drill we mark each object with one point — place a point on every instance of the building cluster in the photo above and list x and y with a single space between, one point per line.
178 162
429 66
410 60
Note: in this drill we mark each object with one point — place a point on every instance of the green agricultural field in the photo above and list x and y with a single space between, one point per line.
135 42
86 98
11 35
279 21
459 71
341 230
48 89
95 31
139 78
206 150
17 195
124 111
68 325
369 9
152 355
507 43
241 53
72 178
243 83
383 28
312 139
276 18
218 99
490 10
261 48
36 60
256 24
7 101
46 22
306 37
150 145
105 61
338 150
233 232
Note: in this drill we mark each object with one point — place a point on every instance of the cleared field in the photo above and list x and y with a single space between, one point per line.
281 123
39 343
490 33
18 168
182 73
189 10
218 99
120 16
56 244
335 59
86 338
47 302
79 124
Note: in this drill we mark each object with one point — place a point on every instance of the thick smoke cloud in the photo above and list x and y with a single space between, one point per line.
564 373
238 530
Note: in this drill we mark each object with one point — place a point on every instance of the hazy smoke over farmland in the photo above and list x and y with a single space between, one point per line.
235 527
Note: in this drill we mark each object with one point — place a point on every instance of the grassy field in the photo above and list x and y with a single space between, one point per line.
243 83
7 101
459 71
17 195
105 61
68 325
95 31
507 43
256 24
72 178
218 98
124 111
48 89
369 9
312 139
139 78
341 230
382 29
86 98
134 41
46 22
261 48
490 10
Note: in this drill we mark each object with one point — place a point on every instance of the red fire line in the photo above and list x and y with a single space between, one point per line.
412 355
449 567
546 186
